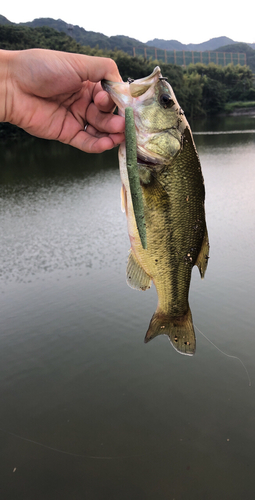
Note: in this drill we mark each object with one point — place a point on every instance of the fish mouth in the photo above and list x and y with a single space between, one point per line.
124 93
140 86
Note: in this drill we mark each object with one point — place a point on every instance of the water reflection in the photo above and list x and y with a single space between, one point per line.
224 124
35 161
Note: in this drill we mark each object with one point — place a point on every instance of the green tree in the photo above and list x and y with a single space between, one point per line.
192 95
214 96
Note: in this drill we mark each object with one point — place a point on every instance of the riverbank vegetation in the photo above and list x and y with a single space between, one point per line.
201 90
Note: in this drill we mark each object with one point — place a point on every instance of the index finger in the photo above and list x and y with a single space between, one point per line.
94 68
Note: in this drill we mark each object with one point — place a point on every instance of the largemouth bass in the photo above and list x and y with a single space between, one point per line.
173 196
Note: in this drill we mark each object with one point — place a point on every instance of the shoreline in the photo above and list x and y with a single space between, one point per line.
239 112
13 132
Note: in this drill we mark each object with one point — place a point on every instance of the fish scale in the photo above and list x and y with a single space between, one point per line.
182 244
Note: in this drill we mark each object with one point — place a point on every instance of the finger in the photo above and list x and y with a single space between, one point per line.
103 101
117 138
104 122
95 133
91 144
92 68
100 68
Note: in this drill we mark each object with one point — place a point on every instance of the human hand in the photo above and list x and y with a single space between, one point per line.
54 95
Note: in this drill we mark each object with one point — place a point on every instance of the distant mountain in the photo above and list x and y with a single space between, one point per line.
4 20
166 44
79 34
243 48
89 38
239 47
212 44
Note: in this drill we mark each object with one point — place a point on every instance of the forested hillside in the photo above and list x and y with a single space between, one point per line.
19 37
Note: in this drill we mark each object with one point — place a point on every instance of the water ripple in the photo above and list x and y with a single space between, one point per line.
76 226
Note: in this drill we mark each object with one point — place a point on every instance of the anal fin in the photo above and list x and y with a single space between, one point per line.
136 276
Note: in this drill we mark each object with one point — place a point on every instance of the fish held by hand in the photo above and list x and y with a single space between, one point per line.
173 198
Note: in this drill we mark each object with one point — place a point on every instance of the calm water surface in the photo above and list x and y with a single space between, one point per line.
88 411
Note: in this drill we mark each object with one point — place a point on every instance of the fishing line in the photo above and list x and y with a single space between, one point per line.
55 449
225 354
119 457
77 455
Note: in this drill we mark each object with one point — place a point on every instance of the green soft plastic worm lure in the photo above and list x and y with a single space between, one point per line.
133 175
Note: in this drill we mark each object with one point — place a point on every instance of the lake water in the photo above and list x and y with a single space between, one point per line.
88 411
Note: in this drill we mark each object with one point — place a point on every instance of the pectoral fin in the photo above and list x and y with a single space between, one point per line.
136 277
180 331
203 256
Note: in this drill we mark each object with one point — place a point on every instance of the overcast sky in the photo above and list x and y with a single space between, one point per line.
187 21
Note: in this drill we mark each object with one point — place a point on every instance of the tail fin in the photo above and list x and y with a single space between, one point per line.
180 331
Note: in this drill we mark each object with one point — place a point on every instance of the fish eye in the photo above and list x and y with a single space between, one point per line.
166 101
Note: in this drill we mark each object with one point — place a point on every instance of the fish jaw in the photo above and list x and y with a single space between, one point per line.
119 92
159 120
124 93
